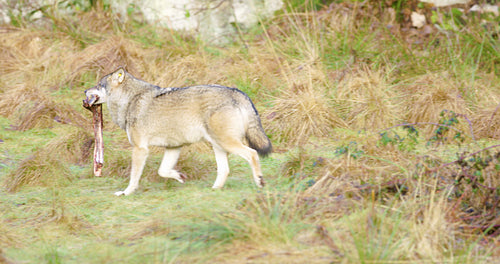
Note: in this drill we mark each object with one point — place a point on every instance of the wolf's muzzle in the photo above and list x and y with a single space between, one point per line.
90 100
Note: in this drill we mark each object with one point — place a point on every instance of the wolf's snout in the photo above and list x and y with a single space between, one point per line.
91 98
90 101
91 91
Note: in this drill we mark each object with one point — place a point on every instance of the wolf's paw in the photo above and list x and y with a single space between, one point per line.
217 186
261 182
181 177
125 192
120 193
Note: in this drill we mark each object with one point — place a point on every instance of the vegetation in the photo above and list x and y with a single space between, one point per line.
386 140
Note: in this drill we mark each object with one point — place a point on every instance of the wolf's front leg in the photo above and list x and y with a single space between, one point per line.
139 156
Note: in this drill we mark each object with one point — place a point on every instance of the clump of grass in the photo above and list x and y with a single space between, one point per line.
408 230
486 121
154 226
430 94
359 163
25 51
258 220
40 168
297 163
7 237
299 115
75 146
49 165
32 109
57 210
267 217
104 57
367 100
432 234
185 71
369 235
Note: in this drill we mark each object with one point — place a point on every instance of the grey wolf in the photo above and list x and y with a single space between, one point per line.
174 117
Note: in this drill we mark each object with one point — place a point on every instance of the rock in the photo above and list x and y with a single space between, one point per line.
484 9
214 21
445 2
417 20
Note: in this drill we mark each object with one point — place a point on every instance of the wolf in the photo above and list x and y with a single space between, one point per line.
175 117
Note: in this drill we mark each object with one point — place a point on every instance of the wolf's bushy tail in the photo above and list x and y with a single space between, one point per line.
257 138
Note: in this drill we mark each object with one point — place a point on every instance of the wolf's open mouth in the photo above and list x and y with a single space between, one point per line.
90 100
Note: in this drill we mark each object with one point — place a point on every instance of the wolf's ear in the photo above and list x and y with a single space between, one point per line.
118 76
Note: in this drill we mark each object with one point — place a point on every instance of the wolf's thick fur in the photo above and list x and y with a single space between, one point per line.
174 117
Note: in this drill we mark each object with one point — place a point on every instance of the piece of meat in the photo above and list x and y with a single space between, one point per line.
96 110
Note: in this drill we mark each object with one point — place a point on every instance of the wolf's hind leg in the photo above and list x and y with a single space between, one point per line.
139 156
226 128
168 162
250 155
222 167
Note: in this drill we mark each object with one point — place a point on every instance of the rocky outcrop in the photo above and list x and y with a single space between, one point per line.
215 21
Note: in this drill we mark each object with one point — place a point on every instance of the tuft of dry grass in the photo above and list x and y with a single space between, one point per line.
266 217
41 168
7 237
406 229
486 122
50 164
32 108
187 70
429 94
104 57
156 226
299 115
368 100
26 51
75 146
432 232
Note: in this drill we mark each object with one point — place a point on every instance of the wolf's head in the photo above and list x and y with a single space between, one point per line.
99 93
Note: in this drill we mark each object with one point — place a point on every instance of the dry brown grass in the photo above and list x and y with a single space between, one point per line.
296 117
304 109
486 122
49 165
41 168
104 57
7 237
26 51
368 100
156 226
433 233
416 214
31 108
428 95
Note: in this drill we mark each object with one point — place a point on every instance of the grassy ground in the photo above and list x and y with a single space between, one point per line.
385 141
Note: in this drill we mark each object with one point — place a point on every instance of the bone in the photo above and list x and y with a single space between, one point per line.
97 122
